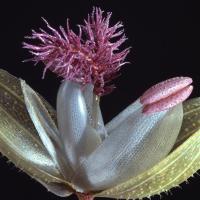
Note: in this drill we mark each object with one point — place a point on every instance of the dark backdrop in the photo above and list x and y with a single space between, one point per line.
165 42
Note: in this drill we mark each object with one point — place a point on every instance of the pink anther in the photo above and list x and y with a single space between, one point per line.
166 94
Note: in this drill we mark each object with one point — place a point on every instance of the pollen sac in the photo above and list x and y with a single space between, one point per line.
166 94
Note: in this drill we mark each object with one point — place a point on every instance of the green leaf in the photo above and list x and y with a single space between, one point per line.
19 140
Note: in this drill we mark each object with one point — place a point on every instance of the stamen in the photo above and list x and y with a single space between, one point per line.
166 94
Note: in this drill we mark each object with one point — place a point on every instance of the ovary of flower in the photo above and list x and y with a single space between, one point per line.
92 159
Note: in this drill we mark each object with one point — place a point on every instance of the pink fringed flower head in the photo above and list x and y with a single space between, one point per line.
92 56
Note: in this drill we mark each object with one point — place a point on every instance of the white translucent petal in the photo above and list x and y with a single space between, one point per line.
94 111
137 143
110 126
46 128
88 96
73 123
101 129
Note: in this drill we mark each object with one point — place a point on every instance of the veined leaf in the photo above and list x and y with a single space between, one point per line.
19 140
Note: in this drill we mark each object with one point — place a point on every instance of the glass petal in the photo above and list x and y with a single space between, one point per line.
94 111
74 124
175 169
136 144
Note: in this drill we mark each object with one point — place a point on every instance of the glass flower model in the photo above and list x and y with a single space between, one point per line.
150 147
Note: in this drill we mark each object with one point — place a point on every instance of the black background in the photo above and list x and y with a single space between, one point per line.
165 43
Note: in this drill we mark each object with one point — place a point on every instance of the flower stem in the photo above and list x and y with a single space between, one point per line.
83 196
